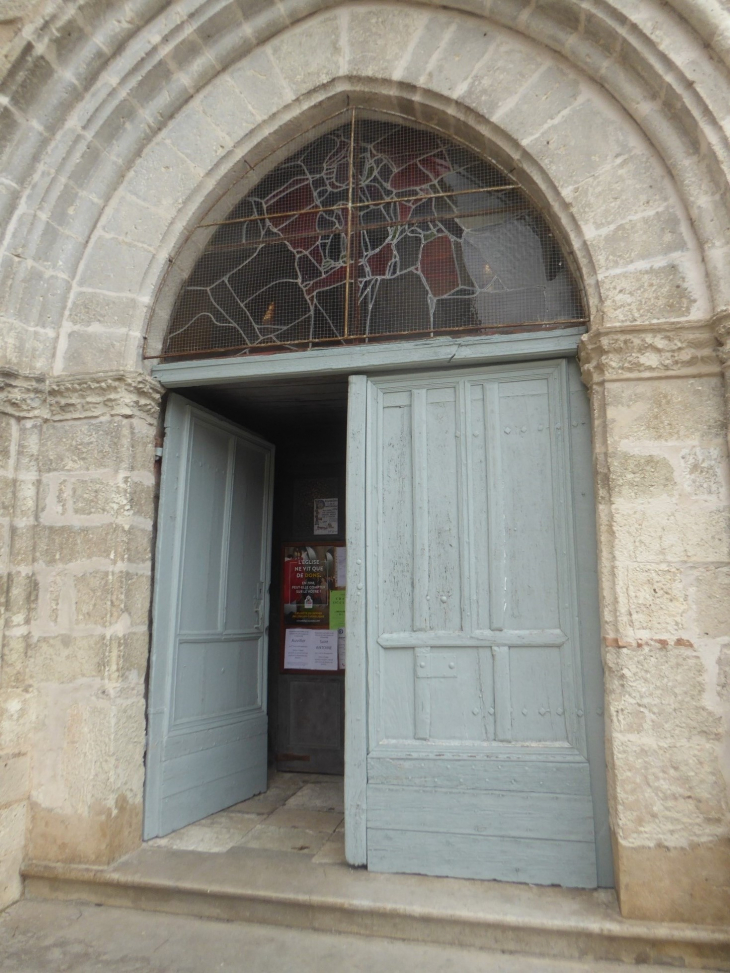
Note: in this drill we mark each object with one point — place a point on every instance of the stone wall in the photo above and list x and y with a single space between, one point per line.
77 509
663 505
123 124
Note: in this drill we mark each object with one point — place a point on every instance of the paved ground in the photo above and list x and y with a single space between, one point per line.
300 813
66 937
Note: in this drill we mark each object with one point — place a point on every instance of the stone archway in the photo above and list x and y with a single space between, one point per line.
612 123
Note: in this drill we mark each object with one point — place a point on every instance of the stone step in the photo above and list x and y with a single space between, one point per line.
280 888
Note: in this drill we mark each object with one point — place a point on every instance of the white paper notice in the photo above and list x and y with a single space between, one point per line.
297 651
326 516
341 648
310 648
324 648
340 567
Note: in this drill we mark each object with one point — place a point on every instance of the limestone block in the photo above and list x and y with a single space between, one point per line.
8 440
259 82
704 470
128 655
193 135
114 265
14 778
660 293
115 311
652 601
463 53
71 545
580 141
666 684
9 9
723 673
666 884
640 476
665 532
92 599
633 185
375 38
711 596
142 497
221 102
21 546
12 843
100 497
66 658
510 67
292 51
690 410
86 445
7 495
647 237
21 593
17 707
163 178
25 498
670 793
551 92
138 223
136 597
418 54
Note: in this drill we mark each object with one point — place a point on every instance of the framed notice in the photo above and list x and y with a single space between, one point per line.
313 607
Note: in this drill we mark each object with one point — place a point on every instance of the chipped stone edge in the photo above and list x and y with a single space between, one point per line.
669 349
58 397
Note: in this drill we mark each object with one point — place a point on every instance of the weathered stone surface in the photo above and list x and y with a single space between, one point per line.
12 840
14 778
665 884
711 587
638 476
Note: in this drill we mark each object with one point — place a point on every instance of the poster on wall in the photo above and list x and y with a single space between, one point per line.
326 516
313 612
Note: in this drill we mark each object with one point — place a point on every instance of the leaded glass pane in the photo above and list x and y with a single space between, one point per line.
369 232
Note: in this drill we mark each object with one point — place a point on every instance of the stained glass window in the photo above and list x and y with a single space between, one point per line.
375 230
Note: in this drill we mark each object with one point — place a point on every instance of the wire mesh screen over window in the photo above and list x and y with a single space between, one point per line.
372 231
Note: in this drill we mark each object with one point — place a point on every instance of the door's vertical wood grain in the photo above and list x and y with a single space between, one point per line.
495 509
468 586
356 673
502 694
421 554
422 714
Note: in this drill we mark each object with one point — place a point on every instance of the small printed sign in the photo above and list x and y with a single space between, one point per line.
326 516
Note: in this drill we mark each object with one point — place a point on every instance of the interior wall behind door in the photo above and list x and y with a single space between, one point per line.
307 711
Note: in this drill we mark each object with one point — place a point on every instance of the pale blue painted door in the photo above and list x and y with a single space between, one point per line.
207 744
485 741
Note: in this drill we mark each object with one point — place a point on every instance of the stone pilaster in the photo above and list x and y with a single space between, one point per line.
664 541
78 516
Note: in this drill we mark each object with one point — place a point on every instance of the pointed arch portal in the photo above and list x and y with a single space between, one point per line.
473 738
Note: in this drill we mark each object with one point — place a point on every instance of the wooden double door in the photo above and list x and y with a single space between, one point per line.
478 748
485 731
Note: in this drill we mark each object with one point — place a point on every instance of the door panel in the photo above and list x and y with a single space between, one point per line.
477 750
207 716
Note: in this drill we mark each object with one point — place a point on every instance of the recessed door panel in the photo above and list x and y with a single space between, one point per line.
477 762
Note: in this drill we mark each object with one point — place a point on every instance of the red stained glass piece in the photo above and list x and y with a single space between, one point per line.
439 267
379 261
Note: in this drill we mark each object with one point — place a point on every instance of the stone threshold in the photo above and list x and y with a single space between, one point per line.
285 889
